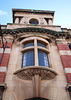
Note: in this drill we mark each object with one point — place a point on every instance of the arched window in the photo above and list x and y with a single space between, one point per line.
35 52
33 21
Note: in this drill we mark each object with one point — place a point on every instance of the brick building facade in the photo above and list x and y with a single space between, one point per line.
35 57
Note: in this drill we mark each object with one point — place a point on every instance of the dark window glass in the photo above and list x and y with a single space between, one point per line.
33 21
29 44
43 59
41 45
28 58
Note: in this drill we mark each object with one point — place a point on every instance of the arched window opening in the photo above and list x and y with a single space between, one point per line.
33 21
36 54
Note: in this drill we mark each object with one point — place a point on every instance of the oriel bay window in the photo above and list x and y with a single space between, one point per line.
35 62
35 52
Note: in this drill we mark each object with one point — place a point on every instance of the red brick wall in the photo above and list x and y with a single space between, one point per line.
9 45
68 76
5 60
66 60
2 76
63 47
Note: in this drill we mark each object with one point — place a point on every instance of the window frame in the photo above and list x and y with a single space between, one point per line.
36 48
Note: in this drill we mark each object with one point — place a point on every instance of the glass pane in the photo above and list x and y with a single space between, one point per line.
43 59
29 44
28 58
41 45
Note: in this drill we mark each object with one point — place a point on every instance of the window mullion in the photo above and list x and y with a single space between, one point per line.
35 52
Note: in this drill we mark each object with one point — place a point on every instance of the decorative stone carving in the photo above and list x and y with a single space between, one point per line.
27 73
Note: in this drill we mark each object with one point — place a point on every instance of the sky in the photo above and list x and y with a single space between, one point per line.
62 10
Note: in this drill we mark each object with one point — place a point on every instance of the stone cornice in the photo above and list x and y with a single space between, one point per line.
40 30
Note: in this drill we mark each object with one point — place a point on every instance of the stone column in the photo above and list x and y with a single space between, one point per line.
36 52
17 20
50 21
36 85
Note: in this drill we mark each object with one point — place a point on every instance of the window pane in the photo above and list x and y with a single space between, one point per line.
29 44
28 58
41 45
43 59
